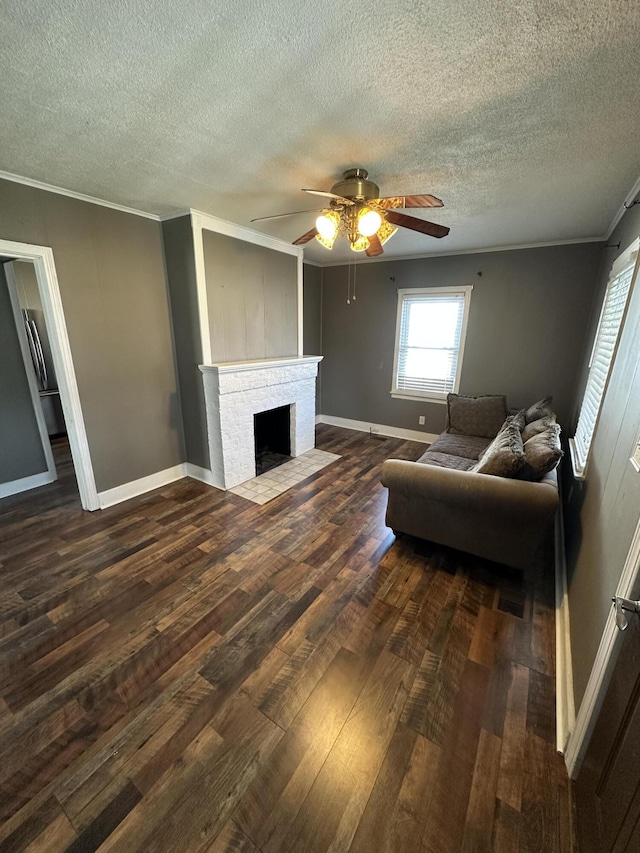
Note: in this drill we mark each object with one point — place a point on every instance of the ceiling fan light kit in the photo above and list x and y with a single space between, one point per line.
367 220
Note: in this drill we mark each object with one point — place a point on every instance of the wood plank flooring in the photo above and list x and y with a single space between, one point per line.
190 671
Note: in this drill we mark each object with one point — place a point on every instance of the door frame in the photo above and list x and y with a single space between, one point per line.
604 664
29 370
42 257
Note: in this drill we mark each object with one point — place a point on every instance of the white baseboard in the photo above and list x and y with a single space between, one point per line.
188 469
565 704
378 429
198 473
26 483
139 487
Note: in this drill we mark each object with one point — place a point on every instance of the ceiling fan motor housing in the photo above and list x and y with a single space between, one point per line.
356 186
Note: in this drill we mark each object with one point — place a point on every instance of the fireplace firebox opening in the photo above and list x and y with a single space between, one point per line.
272 432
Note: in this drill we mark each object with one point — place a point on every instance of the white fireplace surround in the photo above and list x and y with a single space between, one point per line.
236 391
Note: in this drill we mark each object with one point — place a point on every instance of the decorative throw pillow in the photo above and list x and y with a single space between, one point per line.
516 419
505 456
538 410
481 416
542 453
535 427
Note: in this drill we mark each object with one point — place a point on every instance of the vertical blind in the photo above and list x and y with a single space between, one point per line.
604 350
429 342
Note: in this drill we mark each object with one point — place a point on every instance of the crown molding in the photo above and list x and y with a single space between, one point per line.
482 251
222 226
165 217
50 188
622 209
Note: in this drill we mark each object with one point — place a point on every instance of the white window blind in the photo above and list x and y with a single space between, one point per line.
602 357
429 341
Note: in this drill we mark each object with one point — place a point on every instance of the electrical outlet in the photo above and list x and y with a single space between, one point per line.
421 420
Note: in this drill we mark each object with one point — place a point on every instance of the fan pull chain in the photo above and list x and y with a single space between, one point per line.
355 270
348 284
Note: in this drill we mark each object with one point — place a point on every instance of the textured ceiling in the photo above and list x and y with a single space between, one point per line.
523 117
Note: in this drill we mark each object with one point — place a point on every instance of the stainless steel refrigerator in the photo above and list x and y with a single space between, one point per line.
45 374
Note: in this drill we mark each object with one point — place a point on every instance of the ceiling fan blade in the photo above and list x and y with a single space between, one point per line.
306 237
329 195
280 215
422 225
426 200
375 247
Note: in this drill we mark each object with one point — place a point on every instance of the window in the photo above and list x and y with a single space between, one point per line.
603 355
430 332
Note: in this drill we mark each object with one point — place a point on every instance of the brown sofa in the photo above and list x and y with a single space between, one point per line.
439 498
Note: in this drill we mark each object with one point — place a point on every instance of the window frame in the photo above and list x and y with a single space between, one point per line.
431 397
629 258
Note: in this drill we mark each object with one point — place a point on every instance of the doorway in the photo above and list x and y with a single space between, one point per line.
26 459
604 759
62 363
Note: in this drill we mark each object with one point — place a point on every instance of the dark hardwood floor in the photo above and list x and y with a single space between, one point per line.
190 671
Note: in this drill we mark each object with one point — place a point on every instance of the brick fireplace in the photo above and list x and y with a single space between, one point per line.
236 391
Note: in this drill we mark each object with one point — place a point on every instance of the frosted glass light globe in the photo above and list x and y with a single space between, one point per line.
327 225
368 222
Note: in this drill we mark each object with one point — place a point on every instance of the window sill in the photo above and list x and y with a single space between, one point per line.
423 398
579 472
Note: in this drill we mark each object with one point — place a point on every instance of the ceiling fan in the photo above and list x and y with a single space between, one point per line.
356 210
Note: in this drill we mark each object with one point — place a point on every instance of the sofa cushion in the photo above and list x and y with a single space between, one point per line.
481 416
504 457
446 460
466 446
536 427
541 409
542 453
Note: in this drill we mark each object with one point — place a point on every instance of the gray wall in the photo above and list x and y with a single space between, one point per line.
181 275
312 319
21 453
528 318
602 513
112 280
252 295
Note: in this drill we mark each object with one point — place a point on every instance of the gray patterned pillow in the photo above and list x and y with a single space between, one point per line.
505 456
481 416
535 427
542 454
538 410
517 418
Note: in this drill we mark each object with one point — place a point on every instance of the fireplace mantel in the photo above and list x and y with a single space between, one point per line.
260 364
235 391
